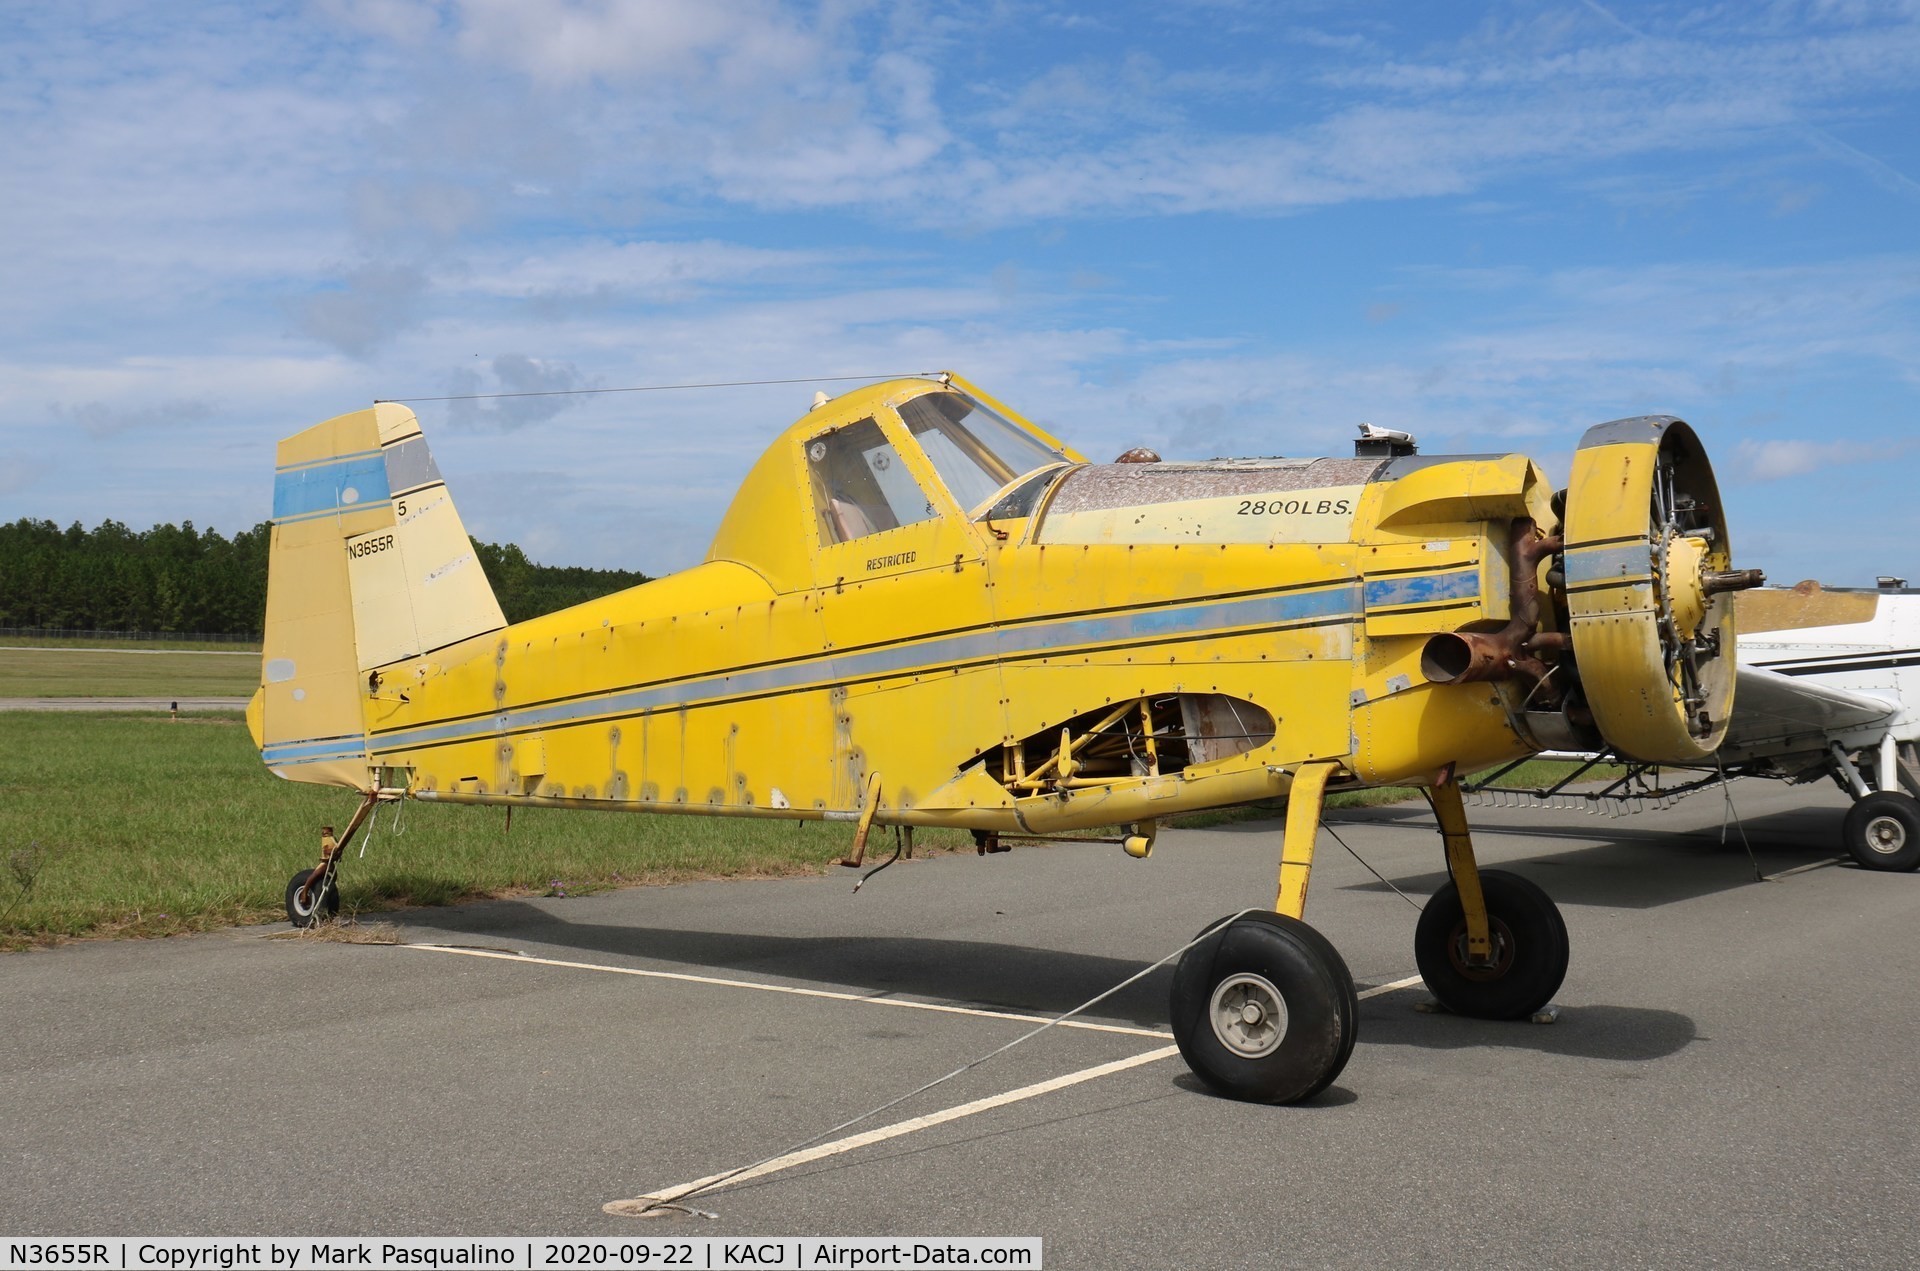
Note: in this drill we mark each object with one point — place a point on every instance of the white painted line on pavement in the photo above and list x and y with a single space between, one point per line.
1801 869
943 1008
940 1007
820 1151
848 1144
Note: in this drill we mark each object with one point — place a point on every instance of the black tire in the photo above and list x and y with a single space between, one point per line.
1882 831
304 913
1529 945
1292 1053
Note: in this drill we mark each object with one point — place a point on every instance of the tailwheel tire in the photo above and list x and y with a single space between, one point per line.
1530 949
1264 1009
1882 831
304 908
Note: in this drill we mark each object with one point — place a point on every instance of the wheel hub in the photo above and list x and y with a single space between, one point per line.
1248 1014
1886 835
1491 969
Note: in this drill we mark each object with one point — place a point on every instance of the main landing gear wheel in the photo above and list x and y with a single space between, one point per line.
1530 949
1264 1009
1882 831
304 906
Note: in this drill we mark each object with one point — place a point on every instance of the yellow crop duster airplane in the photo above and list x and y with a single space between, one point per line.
921 610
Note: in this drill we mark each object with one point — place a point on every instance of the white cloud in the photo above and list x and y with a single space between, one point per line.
724 43
651 270
1780 458
100 421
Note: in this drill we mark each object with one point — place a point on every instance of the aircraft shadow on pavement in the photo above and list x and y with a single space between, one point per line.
992 976
1642 866
1628 1033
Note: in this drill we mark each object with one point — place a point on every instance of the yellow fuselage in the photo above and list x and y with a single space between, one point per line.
949 655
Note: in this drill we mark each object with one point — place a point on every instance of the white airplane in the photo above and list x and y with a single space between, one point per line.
1828 686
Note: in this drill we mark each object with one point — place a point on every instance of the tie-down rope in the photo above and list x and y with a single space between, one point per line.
627 1209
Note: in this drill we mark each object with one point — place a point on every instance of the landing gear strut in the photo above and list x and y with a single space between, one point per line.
1490 945
313 895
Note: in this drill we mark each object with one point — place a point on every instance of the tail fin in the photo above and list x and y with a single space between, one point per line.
370 565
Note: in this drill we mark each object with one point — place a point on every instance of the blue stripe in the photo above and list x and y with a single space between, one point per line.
325 749
323 488
315 751
1335 601
1422 589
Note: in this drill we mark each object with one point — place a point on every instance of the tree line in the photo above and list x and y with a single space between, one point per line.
176 578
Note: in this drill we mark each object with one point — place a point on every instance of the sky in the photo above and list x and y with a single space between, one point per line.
1221 227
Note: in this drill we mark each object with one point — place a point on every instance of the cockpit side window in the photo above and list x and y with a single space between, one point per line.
860 485
975 451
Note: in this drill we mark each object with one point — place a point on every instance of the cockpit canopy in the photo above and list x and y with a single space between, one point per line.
881 459
861 485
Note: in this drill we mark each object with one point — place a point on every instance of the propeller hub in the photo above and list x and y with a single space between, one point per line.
1685 584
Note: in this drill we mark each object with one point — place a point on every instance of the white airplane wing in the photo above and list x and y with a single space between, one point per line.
1776 715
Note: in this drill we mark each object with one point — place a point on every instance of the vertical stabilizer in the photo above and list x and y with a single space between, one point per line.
370 565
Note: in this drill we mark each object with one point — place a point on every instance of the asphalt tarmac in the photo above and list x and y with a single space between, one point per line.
1731 1080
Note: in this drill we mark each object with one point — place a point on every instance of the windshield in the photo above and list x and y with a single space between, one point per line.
975 451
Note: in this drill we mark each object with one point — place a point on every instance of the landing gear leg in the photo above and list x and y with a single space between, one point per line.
868 807
1264 1008
314 894
1490 944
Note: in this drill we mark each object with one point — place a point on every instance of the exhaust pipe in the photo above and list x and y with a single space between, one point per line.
1465 657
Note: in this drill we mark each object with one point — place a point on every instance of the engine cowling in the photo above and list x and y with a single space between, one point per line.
1647 567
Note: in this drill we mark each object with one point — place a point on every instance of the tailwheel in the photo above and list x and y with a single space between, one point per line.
1264 1009
309 902
1882 831
1530 949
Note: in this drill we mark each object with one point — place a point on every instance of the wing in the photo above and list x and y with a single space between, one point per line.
1778 715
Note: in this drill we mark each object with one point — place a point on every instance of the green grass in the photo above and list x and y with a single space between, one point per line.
70 672
148 827
164 642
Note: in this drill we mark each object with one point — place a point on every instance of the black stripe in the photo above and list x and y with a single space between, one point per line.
1836 657
1473 603
1605 542
1883 664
